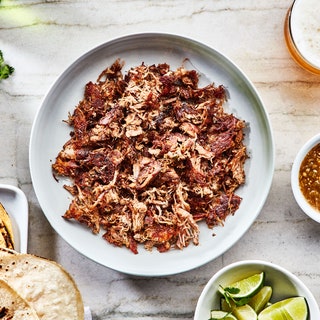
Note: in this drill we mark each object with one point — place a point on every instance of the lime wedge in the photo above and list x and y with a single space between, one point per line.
245 312
244 288
260 299
218 314
292 308
227 307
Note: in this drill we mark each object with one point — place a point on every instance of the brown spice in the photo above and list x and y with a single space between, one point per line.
309 177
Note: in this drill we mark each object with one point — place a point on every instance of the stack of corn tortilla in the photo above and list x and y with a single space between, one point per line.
32 287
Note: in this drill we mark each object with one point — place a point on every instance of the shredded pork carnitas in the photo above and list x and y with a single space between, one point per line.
150 155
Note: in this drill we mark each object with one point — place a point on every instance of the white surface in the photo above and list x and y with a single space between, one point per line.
41 38
301 200
15 202
49 134
284 285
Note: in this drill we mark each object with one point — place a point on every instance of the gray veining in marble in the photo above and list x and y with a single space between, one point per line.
42 38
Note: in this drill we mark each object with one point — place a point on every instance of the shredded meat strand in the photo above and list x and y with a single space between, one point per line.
150 155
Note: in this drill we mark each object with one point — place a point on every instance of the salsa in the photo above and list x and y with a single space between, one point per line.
309 177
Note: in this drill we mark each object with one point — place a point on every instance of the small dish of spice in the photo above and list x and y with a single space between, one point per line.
305 178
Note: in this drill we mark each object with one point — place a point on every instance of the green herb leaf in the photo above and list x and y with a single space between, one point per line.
241 302
228 292
232 290
1 57
5 69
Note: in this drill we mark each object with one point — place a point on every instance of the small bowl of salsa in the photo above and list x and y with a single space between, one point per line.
305 178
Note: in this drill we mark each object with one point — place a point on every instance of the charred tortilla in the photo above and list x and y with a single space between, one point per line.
7 252
6 231
13 306
44 284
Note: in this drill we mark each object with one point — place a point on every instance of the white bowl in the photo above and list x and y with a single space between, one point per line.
301 200
284 285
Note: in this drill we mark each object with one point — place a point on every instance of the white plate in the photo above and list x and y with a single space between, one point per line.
15 202
49 133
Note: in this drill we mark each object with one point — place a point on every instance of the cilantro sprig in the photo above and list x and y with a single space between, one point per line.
229 292
5 69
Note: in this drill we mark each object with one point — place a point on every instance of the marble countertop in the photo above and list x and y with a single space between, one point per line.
42 38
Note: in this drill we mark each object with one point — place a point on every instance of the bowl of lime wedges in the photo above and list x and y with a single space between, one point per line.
256 290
